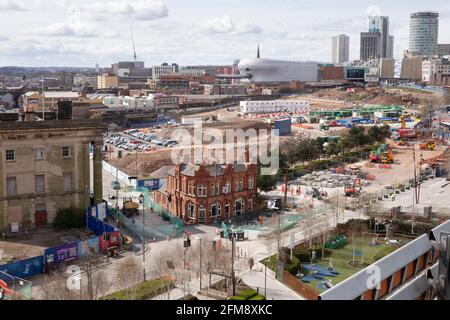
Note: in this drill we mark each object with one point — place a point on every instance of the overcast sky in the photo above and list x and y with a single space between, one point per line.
86 32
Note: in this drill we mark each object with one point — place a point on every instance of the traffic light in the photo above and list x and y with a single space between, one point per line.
187 242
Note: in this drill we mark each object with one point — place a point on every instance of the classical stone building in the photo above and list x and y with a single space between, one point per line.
45 166
208 193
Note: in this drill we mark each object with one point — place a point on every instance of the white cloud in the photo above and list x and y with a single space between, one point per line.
226 25
141 10
63 29
12 5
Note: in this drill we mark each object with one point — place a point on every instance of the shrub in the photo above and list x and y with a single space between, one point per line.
189 297
258 297
292 266
302 254
70 218
145 290
240 298
247 294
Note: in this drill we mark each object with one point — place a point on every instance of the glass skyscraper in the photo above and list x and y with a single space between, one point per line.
423 33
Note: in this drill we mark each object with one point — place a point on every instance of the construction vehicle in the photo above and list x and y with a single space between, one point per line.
428 146
387 157
376 157
130 208
319 195
353 190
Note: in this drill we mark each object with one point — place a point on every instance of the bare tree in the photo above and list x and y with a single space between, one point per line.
129 275
56 288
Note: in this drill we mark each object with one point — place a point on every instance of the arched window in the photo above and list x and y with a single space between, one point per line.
216 210
239 207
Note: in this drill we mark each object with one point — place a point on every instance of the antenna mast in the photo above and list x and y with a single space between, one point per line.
134 45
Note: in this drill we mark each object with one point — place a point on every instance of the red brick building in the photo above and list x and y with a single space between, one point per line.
206 193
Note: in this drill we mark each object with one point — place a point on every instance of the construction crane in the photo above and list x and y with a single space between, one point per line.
134 44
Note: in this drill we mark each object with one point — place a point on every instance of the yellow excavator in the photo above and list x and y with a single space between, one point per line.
387 157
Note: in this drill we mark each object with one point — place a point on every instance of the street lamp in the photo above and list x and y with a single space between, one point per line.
200 242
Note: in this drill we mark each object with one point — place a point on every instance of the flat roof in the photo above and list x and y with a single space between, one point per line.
51 124
61 94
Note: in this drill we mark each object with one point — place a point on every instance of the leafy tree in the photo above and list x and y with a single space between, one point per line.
379 134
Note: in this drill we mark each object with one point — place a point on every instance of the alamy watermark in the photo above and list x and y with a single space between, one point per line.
230 146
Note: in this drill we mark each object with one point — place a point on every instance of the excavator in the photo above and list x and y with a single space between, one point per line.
353 190
428 146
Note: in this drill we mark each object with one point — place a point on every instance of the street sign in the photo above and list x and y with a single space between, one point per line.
150 184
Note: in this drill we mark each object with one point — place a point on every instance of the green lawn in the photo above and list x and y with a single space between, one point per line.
341 258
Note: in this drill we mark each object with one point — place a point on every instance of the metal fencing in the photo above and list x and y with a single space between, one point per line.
22 289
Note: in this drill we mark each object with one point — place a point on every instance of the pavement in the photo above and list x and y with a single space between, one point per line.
257 248
433 192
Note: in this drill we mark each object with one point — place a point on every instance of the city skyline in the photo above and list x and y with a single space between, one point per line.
39 35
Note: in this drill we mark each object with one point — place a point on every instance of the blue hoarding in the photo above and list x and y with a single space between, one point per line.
150 184
24 268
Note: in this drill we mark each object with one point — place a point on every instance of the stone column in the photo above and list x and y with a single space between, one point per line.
98 172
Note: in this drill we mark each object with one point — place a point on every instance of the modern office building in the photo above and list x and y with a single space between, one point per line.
390 47
341 49
371 47
163 70
45 166
443 49
423 33
380 24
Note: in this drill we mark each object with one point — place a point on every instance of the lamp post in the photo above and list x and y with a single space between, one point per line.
87 207
201 275
143 238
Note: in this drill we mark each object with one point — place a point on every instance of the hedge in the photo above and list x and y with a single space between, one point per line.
292 266
258 297
145 291
248 295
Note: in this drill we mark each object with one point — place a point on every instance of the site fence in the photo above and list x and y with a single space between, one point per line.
21 288
57 255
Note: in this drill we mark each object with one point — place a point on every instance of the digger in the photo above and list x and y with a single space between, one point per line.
428 146
353 190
